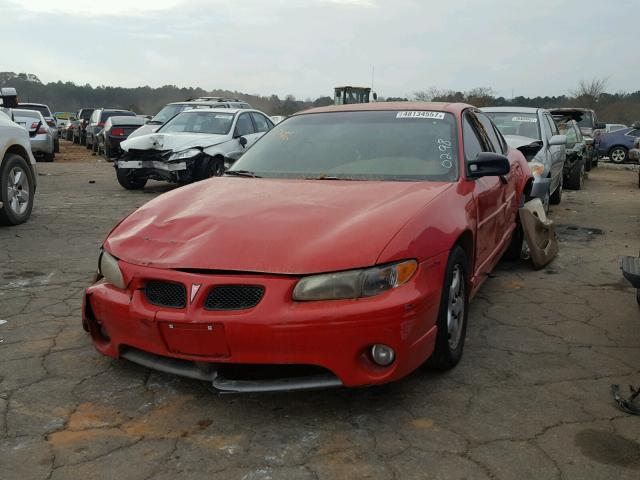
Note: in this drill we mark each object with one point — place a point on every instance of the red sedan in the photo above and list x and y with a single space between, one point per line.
341 249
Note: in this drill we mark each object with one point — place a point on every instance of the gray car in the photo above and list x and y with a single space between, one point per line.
535 134
40 134
49 119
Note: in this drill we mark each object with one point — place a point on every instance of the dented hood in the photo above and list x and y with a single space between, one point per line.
270 225
171 141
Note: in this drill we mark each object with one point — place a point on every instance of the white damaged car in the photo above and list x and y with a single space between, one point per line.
194 145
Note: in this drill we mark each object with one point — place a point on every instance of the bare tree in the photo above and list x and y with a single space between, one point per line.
588 92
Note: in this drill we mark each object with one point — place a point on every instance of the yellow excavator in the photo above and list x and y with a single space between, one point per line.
348 95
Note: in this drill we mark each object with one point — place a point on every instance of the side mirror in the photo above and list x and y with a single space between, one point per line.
600 126
557 140
488 164
243 141
375 96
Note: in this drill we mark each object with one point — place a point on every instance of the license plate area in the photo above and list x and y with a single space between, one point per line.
199 339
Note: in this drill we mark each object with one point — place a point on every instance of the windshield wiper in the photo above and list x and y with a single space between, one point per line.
242 173
329 177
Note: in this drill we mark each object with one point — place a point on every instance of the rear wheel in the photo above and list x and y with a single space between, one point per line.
16 190
576 177
618 154
452 316
56 146
48 157
128 180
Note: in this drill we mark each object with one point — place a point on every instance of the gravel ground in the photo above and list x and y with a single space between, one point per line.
530 398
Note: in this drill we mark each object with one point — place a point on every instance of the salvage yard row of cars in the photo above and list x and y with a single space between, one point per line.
345 244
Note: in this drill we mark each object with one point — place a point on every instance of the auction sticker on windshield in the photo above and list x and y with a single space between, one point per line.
524 119
419 114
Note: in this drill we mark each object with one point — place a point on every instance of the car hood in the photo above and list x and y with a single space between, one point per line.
270 225
171 141
145 130
517 141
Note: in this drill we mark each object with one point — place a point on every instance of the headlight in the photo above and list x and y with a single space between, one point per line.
110 270
354 283
537 169
192 152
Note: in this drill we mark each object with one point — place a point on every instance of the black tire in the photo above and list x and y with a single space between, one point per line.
575 180
95 147
618 154
48 157
445 355
56 146
514 252
76 140
83 139
210 167
128 180
556 197
7 215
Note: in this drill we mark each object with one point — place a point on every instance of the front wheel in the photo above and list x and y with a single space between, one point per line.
556 196
128 180
618 154
56 146
211 167
16 190
452 316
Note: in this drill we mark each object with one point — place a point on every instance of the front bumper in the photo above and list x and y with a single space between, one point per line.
332 335
540 187
153 165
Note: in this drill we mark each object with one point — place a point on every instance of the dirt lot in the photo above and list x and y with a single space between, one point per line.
530 398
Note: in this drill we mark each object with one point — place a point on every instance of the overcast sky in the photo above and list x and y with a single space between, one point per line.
306 47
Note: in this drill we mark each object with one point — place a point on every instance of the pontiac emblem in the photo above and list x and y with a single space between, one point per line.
195 287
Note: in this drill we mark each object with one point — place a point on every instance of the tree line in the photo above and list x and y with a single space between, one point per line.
619 107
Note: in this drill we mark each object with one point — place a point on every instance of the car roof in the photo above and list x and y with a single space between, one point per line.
219 110
455 108
126 120
207 102
513 109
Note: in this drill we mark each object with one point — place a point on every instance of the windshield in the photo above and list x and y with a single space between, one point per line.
513 123
378 145
350 96
43 109
199 122
167 112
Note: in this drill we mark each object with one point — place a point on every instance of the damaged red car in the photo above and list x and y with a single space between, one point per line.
341 249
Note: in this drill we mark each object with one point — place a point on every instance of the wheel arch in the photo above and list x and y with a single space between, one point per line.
466 241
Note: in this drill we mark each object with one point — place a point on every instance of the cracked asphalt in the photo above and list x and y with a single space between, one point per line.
530 398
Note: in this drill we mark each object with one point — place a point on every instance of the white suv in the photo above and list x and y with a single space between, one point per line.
17 167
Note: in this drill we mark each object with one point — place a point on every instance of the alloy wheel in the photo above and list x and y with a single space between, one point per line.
456 307
617 155
18 191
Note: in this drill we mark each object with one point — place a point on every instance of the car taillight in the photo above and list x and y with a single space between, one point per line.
51 123
42 129
34 125
117 132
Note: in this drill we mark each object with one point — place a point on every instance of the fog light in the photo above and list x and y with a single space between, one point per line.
382 354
